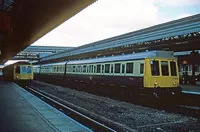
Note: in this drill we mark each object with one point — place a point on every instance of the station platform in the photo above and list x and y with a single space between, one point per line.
191 89
20 111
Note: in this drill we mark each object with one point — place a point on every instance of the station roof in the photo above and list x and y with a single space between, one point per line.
135 56
53 49
28 20
166 31
34 53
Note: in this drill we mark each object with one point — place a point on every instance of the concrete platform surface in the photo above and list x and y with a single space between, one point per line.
191 89
20 111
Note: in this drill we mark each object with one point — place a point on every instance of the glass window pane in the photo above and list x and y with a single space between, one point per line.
141 68
84 68
23 70
74 68
129 67
102 69
17 69
111 68
155 68
29 69
98 68
117 68
123 68
173 68
164 68
94 69
107 68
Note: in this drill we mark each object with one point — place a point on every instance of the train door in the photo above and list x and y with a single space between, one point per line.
16 72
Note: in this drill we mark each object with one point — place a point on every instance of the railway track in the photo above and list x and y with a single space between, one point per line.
188 105
117 125
80 117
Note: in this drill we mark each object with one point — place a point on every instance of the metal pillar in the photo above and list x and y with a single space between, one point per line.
193 60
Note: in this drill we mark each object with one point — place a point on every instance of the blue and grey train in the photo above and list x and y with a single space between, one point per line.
152 72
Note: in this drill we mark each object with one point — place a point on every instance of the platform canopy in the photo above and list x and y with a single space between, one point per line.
22 22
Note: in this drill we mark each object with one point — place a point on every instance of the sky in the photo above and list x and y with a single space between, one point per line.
107 18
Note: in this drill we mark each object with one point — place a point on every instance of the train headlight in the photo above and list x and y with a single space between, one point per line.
155 84
174 83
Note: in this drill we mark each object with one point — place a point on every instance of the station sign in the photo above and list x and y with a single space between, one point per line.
27 55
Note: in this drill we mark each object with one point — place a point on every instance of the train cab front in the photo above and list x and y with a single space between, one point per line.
161 77
23 74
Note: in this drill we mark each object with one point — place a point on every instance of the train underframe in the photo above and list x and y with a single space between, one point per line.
111 87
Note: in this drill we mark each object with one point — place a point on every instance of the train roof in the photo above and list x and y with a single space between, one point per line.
19 63
55 64
36 65
134 56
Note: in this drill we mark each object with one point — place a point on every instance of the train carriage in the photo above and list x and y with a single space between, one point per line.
19 71
154 72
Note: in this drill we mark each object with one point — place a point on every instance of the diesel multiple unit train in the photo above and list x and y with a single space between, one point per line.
19 71
152 72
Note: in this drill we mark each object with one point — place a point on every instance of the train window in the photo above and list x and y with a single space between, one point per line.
102 68
74 68
29 70
90 68
196 68
87 69
129 67
141 68
165 68
98 68
79 68
23 70
67 68
117 68
17 70
111 68
84 69
107 68
62 69
94 69
155 68
71 68
173 68
123 68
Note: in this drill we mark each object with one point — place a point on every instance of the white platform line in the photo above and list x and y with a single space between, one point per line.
191 92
